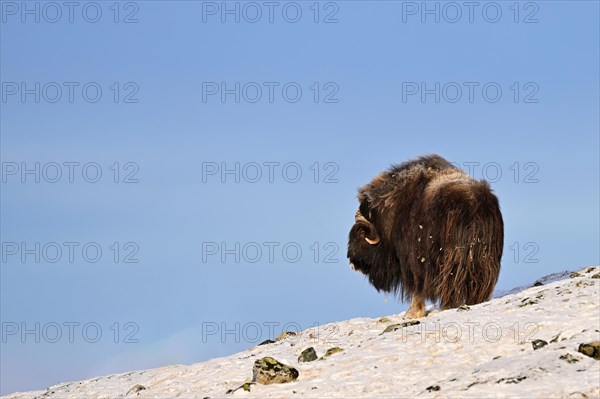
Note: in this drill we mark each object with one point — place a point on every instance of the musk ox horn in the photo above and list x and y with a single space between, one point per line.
373 242
371 232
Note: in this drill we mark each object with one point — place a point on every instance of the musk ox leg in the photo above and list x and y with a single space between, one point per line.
417 307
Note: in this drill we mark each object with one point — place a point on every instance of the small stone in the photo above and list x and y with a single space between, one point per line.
570 358
383 320
433 388
583 283
538 343
266 342
527 301
246 387
463 308
575 274
331 351
557 338
285 334
308 355
597 275
135 389
268 371
511 380
591 349
394 327
537 284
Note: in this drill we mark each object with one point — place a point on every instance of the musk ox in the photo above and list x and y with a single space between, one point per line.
426 230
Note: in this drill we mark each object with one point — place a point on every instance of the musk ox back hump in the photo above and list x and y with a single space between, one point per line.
463 238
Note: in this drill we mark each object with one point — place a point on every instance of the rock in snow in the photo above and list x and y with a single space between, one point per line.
268 371
307 355
495 349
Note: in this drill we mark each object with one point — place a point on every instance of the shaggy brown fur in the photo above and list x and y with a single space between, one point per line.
438 234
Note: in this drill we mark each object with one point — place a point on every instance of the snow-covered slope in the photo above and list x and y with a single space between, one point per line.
482 351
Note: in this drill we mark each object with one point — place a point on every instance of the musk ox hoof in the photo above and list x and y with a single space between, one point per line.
414 314
417 308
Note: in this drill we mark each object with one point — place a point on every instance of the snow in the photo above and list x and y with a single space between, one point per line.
483 351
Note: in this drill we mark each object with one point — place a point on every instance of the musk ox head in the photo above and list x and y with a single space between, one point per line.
363 237
427 230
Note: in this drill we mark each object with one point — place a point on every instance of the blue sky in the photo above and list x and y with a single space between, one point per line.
158 123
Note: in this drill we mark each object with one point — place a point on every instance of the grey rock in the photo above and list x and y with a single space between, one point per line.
512 380
246 387
557 338
268 371
285 334
570 358
394 327
331 351
591 349
135 389
308 355
538 343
